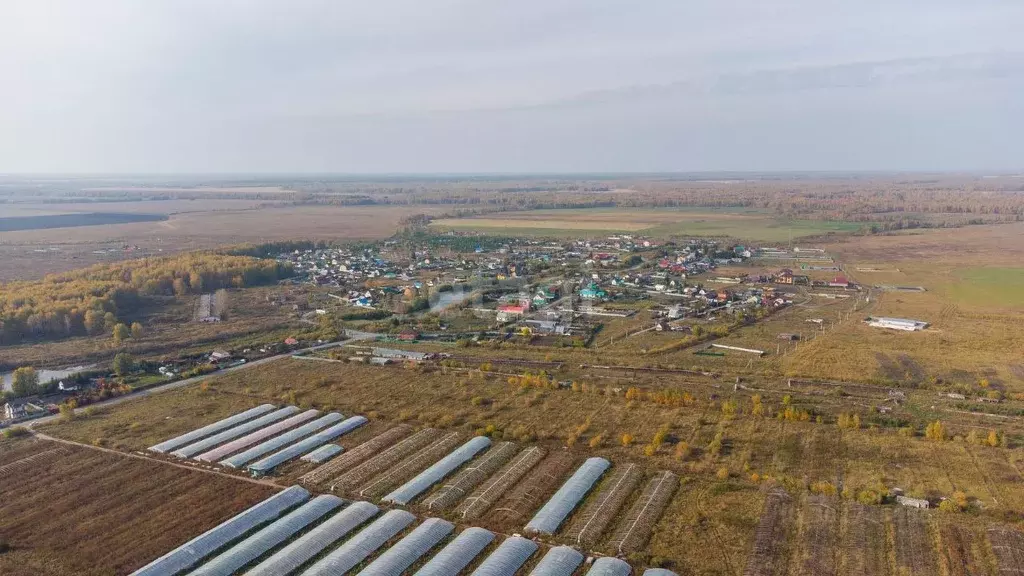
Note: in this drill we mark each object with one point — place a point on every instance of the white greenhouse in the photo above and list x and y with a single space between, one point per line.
192 552
554 512
168 445
309 545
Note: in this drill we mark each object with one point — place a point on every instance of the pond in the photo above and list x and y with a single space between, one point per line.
46 375
441 300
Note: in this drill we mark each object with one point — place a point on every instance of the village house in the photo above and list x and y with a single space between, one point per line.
510 312
408 335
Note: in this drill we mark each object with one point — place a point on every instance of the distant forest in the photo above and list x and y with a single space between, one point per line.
16 223
90 300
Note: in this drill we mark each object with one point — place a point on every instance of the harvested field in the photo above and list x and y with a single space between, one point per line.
34 459
470 477
819 537
635 527
748 224
960 548
408 467
770 553
517 506
16 449
913 548
356 456
356 477
600 509
1008 546
492 491
122 511
864 541
190 226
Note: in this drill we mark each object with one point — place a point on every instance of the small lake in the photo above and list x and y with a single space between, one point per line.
46 375
442 300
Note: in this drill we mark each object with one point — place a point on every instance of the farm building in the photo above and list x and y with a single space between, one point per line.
897 324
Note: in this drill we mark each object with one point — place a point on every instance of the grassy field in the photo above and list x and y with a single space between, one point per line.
89 512
993 287
741 224
972 280
460 401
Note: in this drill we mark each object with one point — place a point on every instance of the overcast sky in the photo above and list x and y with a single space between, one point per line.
170 86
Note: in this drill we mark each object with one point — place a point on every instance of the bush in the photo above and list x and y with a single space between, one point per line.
722 474
16 432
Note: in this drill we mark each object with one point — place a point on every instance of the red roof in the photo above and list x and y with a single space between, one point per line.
512 308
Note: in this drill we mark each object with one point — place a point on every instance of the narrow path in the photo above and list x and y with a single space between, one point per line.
262 482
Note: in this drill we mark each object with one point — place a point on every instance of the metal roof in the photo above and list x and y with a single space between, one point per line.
443 467
190 553
312 543
168 445
659 572
248 550
458 553
555 510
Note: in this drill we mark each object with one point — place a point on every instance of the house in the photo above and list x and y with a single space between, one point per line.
839 281
408 335
219 356
592 292
784 276
510 312
15 409
912 502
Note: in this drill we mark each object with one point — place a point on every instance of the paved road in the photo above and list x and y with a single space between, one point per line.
353 336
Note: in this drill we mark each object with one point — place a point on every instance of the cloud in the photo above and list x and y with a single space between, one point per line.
459 85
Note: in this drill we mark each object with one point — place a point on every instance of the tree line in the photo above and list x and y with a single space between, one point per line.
90 300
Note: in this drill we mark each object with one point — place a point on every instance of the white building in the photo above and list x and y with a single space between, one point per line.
897 324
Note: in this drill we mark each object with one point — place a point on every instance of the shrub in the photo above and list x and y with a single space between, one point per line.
627 440
16 432
722 474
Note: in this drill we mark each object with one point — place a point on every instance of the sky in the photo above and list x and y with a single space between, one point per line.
441 86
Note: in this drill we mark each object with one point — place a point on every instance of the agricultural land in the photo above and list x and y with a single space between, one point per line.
806 375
